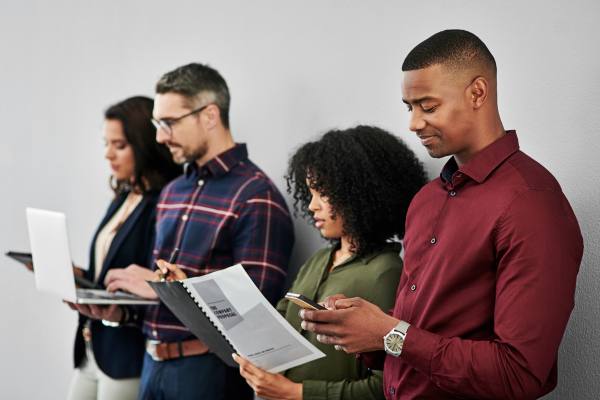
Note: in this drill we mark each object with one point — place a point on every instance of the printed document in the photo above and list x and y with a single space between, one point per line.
256 330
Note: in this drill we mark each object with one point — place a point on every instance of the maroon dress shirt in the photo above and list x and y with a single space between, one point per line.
492 251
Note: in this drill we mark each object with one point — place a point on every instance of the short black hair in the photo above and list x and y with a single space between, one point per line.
455 48
194 80
369 177
154 166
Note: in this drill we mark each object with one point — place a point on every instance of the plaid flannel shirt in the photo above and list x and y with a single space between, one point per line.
223 213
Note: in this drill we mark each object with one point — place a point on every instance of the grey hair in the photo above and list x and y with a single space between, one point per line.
198 83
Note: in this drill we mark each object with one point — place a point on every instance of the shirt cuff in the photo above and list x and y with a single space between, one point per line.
373 359
418 349
314 390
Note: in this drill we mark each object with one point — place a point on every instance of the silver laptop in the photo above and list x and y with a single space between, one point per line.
53 266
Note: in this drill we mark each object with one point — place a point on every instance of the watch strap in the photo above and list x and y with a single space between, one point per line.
402 327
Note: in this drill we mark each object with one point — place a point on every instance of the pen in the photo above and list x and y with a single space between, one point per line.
172 258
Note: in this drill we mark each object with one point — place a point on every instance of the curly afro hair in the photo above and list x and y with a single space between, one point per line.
369 177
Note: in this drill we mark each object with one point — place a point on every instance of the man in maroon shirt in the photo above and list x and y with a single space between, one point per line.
492 249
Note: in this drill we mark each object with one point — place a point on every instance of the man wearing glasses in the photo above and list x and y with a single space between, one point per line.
222 211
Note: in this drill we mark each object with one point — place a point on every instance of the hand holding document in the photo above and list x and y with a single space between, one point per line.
167 271
267 385
163 269
226 311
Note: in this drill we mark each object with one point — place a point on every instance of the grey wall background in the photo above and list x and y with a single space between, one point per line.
295 69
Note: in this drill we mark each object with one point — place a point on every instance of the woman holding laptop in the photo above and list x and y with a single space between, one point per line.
109 346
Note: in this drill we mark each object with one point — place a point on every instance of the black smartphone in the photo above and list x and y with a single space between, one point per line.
23 258
85 284
303 301
26 258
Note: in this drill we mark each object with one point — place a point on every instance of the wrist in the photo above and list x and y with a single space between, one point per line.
124 315
385 328
119 319
393 341
297 391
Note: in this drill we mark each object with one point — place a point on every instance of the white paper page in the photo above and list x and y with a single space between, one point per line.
254 327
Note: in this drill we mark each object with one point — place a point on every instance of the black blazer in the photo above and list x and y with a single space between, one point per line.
119 352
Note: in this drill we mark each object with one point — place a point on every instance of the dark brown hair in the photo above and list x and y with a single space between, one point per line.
153 161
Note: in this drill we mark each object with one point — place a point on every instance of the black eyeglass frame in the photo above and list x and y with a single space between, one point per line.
167 124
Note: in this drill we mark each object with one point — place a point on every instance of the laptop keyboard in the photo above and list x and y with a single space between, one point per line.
103 294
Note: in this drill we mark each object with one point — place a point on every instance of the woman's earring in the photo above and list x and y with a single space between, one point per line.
112 181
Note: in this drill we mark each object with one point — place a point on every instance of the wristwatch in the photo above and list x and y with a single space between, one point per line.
123 321
394 340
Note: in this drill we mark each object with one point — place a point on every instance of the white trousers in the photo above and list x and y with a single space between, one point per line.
90 383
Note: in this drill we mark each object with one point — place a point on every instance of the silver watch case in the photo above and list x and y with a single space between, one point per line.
393 342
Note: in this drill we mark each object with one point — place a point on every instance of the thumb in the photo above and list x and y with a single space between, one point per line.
330 302
347 303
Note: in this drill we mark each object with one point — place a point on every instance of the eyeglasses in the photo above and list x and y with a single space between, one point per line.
167 124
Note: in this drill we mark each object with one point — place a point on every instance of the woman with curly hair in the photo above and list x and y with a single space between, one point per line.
355 186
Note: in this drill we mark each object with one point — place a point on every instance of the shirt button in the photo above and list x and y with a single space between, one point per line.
433 240
184 217
392 391
201 182
413 287
452 193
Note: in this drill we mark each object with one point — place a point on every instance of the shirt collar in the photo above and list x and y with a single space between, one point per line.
367 258
220 164
487 160
396 247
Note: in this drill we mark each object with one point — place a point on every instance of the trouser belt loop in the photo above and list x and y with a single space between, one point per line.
180 348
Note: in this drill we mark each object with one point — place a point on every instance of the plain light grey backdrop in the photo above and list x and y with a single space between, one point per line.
295 69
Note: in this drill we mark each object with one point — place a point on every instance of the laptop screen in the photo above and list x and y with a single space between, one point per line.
50 250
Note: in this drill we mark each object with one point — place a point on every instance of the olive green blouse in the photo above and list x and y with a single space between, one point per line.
374 278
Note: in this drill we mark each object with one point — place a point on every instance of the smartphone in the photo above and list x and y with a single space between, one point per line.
86 284
25 258
303 301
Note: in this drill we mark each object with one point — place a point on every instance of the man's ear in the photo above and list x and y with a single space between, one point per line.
478 92
212 116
